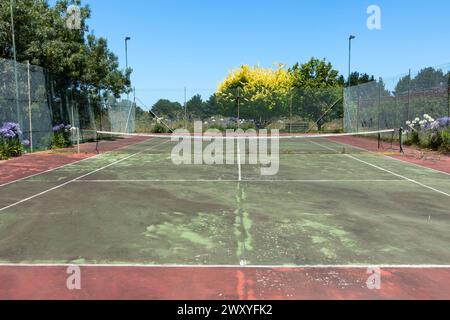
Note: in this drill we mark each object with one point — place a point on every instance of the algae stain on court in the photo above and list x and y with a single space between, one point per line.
174 230
326 237
242 226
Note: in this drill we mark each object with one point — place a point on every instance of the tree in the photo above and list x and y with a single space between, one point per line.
195 108
357 78
427 92
211 107
255 93
317 91
74 58
315 74
168 109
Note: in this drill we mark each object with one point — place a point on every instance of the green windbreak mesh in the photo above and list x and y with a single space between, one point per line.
390 103
26 103
121 116
290 110
44 105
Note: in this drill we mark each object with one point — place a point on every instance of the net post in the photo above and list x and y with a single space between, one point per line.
379 140
400 131
78 140
97 140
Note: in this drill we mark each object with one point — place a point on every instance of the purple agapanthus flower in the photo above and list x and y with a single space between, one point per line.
58 127
7 134
10 130
26 143
444 122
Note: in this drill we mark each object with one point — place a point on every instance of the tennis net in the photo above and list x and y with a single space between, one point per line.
382 141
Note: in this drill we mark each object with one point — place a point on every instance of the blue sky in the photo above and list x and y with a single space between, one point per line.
193 44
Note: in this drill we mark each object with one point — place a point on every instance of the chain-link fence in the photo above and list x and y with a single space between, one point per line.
390 102
46 107
294 110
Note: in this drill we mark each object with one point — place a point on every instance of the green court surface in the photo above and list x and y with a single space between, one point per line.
134 206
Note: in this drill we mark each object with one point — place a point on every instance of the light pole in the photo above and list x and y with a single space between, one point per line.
238 99
185 110
128 93
15 62
126 58
349 57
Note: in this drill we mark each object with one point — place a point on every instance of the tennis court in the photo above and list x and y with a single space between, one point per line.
329 204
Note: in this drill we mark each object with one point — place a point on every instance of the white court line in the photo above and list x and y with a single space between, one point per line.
420 166
239 161
75 179
389 157
46 171
154 266
400 176
243 180
68 164
386 170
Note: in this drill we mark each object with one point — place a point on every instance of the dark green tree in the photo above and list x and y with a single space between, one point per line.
168 109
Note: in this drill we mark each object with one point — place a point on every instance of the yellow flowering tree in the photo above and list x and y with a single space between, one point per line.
263 93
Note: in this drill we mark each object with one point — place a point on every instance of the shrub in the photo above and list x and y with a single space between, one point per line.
159 128
61 136
429 133
10 143
445 144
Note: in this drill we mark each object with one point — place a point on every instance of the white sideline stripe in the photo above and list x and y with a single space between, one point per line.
46 171
75 179
386 170
420 166
389 157
174 266
400 176
243 180
66 165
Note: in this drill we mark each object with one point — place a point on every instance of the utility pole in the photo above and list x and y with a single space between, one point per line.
238 98
126 61
185 110
350 56
15 63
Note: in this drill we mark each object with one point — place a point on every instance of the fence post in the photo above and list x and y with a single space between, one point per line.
408 115
357 110
29 107
290 114
448 95
379 102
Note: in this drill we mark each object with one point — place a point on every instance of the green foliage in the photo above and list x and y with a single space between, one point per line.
167 109
159 128
10 148
315 74
74 56
438 140
311 91
259 94
61 139
357 78
413 138
445 141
